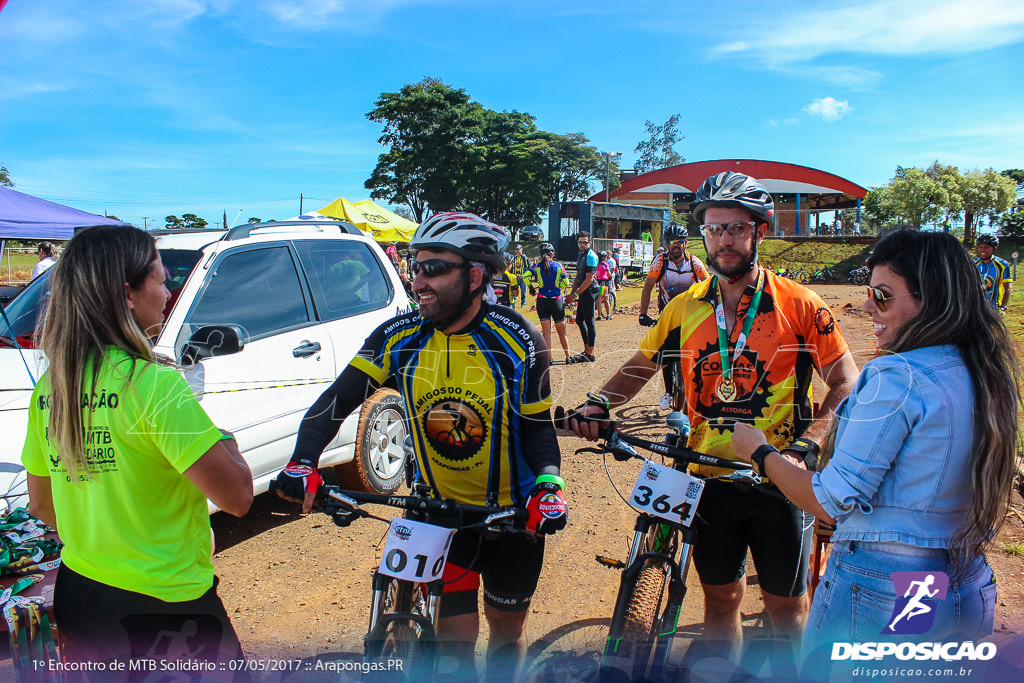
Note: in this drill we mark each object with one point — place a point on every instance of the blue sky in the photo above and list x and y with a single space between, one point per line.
145 109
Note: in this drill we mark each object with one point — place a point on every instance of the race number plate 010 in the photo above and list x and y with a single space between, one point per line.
666 493
415 551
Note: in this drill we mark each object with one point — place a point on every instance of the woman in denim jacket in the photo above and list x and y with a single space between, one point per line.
923 459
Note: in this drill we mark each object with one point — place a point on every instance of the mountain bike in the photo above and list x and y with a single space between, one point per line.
653 583
401 641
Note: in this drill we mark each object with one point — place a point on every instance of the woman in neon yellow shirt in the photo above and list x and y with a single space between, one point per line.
121 459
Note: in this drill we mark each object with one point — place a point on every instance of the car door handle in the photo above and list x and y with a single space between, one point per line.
306 348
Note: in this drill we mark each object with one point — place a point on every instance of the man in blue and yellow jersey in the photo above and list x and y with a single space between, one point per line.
517 267
996 276
747 341
474 379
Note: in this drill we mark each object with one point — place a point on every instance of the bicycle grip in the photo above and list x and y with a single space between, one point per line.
562 418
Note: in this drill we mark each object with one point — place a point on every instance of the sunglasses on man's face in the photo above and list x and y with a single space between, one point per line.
434 267
882 299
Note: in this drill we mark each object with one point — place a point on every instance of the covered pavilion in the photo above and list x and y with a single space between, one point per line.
801 193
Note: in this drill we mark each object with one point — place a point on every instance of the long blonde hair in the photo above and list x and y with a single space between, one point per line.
954 310
88 311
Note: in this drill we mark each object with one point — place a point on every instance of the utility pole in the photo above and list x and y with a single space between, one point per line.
145 222
607 172
300 203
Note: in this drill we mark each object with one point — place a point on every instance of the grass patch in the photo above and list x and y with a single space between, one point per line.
16 267
1012 548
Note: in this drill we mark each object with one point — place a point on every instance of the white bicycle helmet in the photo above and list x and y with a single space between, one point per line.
733 189
465 234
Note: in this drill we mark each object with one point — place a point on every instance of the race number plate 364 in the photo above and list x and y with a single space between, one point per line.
415 551
667 493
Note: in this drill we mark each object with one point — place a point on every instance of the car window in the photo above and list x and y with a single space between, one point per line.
257 289
346 278
25 311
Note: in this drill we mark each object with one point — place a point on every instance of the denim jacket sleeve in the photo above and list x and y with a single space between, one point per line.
874 423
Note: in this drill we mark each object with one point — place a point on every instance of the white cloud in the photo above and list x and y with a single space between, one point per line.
828 108
882 27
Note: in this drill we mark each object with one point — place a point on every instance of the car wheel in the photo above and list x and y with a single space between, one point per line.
379 462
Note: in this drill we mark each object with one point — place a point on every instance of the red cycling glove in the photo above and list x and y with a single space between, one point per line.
547 506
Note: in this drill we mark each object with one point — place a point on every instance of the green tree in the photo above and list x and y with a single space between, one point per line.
1016 174
984 193
5 177
575 166
1012 225
188 221
254 220
429 130
659 151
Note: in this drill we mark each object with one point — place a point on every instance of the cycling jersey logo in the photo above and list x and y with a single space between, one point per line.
914 612
748 391
454 429
823 321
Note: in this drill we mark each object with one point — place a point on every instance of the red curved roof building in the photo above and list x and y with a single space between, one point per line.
801 193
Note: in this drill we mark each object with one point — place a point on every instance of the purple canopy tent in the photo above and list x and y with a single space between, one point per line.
25 217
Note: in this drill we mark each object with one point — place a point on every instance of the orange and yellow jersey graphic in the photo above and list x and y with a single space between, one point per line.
793 333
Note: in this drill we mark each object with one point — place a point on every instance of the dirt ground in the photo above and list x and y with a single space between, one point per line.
298 587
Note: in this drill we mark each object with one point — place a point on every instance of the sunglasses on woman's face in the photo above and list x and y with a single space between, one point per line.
434 267
882 299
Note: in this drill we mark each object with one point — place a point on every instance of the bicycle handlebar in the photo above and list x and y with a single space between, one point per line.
344 503
619 444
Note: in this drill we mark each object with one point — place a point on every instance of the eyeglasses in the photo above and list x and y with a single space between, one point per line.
736 229
434 267
882 299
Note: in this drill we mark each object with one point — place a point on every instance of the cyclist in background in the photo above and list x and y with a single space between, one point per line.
551 277
747 340
517 267
995 272
586 289
673 272
603 276
459 355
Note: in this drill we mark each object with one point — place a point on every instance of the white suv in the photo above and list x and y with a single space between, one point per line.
262 318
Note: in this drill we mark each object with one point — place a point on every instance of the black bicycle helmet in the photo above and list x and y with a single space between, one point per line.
990 240
465 234
546 248
673 233
733 189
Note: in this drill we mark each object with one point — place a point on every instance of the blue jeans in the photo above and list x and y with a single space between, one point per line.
854 601
522 292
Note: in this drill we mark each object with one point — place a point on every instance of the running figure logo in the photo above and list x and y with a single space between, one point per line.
914 612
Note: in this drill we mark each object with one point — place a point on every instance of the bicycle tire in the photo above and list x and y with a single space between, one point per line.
641 618
402 644
571 652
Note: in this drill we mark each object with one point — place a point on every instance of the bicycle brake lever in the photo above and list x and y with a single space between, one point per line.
619 449
748 476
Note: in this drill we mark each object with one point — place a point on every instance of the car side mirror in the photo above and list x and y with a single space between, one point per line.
212 340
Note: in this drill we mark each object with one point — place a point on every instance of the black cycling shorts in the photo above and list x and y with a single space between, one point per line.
551 309
732 518
509 564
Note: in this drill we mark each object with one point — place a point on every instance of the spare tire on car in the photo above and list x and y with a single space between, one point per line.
380 460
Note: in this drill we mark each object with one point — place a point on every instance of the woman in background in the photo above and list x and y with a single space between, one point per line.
121 459
47 254
923 459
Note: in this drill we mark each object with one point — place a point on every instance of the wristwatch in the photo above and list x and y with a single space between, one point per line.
760 454
806 449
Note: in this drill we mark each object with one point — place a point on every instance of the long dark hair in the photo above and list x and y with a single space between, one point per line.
88 311
955 310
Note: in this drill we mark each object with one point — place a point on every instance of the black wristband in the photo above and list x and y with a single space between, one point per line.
760 454
806 449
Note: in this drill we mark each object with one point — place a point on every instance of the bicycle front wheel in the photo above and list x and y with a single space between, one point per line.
640 622
402 648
